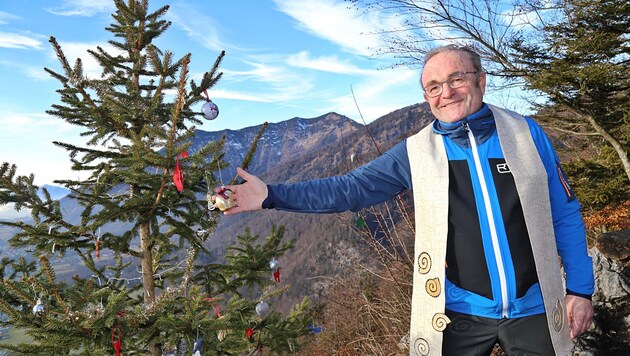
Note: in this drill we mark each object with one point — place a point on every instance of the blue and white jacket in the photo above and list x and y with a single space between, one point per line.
473 273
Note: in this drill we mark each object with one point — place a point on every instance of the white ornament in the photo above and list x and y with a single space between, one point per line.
274 264
39 309
210 110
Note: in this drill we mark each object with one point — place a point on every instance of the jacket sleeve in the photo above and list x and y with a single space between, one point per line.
372 183
567 220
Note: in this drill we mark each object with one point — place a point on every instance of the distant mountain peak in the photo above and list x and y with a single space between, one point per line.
56 192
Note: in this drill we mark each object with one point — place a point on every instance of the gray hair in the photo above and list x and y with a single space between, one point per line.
472 54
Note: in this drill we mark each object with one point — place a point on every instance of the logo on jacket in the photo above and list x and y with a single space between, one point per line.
503 168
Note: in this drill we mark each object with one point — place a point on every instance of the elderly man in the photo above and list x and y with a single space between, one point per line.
493 210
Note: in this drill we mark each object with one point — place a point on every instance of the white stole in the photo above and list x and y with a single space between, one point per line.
430 178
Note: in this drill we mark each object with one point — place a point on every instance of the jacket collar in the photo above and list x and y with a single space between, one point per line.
481 124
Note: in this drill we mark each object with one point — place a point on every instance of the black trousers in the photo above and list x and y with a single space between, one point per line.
469 335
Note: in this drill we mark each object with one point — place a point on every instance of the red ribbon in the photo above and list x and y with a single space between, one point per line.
178 174
276 275
116 343
216 307
249 332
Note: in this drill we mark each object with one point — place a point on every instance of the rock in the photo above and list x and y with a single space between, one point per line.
610 332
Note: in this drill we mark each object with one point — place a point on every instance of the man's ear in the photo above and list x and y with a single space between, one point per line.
482 82
426 98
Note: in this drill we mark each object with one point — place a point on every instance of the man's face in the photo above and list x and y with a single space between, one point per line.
453 104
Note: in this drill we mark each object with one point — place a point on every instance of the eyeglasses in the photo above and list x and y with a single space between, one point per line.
454 81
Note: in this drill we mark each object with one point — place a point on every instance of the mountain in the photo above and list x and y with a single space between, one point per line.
326 244
282 142
55 192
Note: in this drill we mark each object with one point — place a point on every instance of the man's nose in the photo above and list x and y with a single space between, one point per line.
447 91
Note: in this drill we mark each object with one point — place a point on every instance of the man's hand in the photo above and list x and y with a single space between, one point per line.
247 196
579 314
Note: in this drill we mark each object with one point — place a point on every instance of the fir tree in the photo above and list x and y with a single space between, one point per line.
147 289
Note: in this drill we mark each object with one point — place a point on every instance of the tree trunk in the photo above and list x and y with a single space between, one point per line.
148 283
623 155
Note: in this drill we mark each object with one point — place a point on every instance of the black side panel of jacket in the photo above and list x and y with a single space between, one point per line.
515 228
465 259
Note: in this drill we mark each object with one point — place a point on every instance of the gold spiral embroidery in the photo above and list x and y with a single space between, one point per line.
433 287
440 321
424 263
558 316
421 346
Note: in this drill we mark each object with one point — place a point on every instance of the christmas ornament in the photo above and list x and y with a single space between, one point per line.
197 347
116 343
274 264
360 223
210 110
201 232
221 334
314 329
224 199
249 332
178 174
262 309
275 268
39 309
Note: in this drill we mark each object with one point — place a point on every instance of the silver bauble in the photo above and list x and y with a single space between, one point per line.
262 309
274 264
39 309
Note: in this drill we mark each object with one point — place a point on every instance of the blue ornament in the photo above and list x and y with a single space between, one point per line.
197 347
314 329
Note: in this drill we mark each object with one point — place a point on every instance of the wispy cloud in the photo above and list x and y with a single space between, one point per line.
378 94
15 40
6 17
83 7
272 78
324 63
202 28
333 21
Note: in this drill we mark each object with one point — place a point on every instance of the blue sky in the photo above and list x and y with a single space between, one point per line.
284 59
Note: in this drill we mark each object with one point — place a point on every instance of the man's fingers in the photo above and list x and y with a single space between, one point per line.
243 174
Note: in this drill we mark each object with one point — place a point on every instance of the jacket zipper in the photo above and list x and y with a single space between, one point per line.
493 230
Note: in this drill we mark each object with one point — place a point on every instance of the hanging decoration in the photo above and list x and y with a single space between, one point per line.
360 222
39 309
209 109
249 332
262 309
178 174
116 338
314 329
197 346
223 199
275 269
221 334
